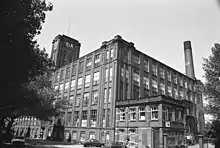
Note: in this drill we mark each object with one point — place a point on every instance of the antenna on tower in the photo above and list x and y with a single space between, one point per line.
69 27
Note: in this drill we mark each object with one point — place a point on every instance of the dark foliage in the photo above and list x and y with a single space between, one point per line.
25 86
211 67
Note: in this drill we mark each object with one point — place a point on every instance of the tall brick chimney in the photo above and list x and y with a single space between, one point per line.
189 66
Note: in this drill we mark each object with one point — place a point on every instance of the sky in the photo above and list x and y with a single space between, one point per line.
157 28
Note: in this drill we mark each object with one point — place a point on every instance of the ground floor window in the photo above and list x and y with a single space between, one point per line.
91 135
121 134
82 136
67 135
175 138
132 135
107 137
103 137
74 135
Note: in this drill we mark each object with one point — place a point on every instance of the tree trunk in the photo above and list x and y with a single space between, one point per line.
2 126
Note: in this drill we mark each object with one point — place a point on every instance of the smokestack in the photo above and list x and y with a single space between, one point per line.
189 66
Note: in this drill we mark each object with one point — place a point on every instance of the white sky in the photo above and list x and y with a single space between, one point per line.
156 27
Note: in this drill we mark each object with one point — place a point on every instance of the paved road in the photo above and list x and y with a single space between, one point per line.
59 146
81 146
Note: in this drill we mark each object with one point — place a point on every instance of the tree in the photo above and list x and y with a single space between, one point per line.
211 67
22 62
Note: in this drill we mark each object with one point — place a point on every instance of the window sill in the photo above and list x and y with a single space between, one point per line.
154 119
121 120
142 120
132 120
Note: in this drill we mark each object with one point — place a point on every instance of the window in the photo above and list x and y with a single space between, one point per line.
174 78
87 81
141 113
82 136
168 75
112 52
136 93
122 72
88 63
132 113
161 72
68 119
108 118
56 87
95 96
154 86
61 88
73 83
93 118
69 44
181 82
175 93
121 114
162 88
57 76
85 99
135 58
97 59
146 65
165 115
67 72
66 87
190 86
195 87
169 91
178 115
154 113
136 79
96 78
78 100
154 69
84 118
107 54
181 94
74 135
146 82
62 75
106 75
103 118
65 98
171 113
105 95
110 71
76 118
109 95
80 70
71 100
79 83
74 70
186 84
126 74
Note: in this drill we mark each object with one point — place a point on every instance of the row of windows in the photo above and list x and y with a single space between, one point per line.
155 87
180 93
134 113
87 81
94 98
30 121
85 122
136 77
88 65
